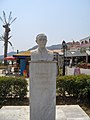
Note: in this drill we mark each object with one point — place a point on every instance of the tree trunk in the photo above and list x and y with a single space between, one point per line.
5 47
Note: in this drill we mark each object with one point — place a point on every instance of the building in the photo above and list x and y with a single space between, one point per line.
79 51
85 40
23 59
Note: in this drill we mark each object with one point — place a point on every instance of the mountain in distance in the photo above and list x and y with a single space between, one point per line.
9 54
52 47
35 47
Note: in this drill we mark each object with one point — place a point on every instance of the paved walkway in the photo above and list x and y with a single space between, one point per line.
63 112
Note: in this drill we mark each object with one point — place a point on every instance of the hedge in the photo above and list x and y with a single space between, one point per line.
13 87
77 86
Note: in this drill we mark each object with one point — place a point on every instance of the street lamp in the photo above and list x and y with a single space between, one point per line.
64 46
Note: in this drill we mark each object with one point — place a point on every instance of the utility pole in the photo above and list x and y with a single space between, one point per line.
64 46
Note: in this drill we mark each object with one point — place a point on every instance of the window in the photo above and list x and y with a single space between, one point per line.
86 41
81 42
89 40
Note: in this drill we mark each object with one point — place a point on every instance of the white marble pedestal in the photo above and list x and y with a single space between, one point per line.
42 90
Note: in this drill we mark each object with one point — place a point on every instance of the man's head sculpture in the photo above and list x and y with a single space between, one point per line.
41 40
41 53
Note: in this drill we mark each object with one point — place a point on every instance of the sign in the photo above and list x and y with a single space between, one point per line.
77 71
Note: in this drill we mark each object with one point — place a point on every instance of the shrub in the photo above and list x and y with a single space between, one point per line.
77 86
13 87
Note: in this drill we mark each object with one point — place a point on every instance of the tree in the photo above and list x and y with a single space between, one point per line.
5 38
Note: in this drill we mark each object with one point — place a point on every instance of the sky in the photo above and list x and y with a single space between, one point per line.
59 19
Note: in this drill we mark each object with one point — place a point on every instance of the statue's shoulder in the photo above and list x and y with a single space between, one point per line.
50 52
34 52
50 55
34 55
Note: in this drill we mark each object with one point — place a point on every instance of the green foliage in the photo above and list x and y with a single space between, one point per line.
13 87
0 62
83 50
77 86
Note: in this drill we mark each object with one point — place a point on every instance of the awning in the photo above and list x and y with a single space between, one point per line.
9 58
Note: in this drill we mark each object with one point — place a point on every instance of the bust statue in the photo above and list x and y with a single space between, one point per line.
41 53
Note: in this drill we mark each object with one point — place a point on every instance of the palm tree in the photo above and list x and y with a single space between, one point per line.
5 38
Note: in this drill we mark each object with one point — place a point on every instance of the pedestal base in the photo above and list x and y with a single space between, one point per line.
63 112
